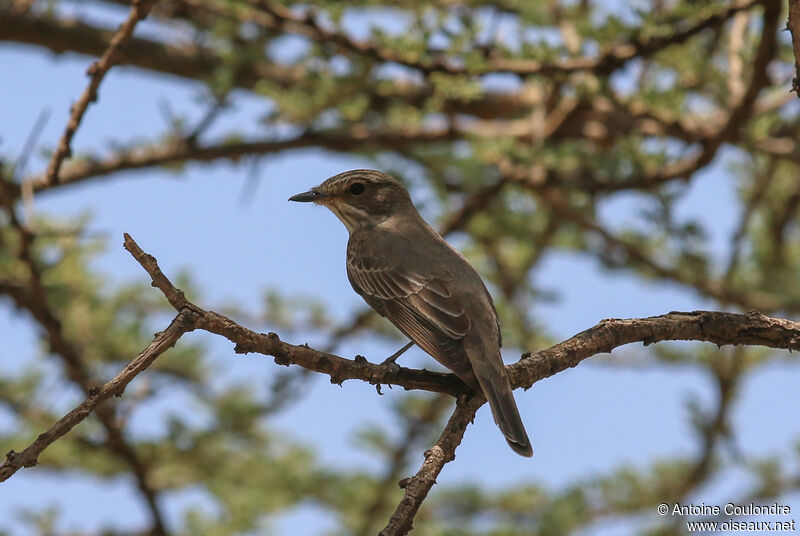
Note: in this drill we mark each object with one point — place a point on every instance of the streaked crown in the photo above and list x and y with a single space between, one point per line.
361 197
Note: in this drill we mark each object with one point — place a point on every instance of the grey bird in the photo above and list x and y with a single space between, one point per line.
407 273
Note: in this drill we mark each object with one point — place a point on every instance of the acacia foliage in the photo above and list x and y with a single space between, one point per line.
524 121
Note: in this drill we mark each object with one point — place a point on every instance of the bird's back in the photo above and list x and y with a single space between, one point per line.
414 291
433 295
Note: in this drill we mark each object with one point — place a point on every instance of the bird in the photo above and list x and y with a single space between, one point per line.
410 275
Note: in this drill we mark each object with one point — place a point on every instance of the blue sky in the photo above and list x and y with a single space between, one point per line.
583 422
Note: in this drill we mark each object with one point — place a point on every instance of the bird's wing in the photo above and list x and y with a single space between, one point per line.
420 305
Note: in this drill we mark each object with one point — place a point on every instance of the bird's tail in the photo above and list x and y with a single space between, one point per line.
496 388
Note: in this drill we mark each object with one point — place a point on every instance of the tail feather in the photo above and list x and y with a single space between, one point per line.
506 415
497 390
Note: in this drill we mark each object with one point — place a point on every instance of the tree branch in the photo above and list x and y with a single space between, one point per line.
183 150
714 288
444 451
96 72
338 368
717 327
181 324
198 63
188 61
397 462
33 297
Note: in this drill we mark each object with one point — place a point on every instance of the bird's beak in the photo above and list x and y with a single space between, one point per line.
307 197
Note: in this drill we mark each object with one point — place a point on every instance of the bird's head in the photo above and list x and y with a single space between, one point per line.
360 198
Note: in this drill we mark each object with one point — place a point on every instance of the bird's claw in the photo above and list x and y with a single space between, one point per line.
393 367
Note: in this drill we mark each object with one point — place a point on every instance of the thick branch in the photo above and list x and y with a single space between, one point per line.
182 151
97 72
114 387
719 328
188 61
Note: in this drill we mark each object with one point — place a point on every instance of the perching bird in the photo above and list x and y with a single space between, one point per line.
407 272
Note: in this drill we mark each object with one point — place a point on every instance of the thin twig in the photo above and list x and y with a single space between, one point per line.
21 165
30 143
114 387
96 73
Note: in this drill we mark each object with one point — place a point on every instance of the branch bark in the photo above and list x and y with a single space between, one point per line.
716 327
754 329
719 328
398 460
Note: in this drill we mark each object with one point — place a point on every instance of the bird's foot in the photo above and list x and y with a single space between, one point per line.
394 368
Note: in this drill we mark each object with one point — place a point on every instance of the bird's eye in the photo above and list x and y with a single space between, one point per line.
357 188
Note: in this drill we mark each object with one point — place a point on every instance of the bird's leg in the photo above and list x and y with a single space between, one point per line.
393 358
